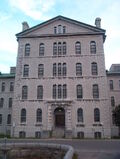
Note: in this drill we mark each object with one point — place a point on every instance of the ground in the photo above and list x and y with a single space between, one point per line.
86 149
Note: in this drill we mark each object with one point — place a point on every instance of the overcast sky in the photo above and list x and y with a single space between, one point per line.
14 12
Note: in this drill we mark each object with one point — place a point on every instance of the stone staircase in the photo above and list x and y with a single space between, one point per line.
58 132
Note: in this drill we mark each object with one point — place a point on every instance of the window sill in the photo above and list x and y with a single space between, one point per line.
24 124
80 125
38 124
97 124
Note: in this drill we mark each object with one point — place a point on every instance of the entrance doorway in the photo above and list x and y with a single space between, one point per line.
59 117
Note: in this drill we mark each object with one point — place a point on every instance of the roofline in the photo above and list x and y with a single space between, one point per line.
63 18
5 75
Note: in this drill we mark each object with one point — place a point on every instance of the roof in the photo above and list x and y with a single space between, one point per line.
7 75
93 28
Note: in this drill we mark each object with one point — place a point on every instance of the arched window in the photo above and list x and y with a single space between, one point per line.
64 91
80 115
24 92
59 69
64 69
55 48
64 48
78 69
97 135
26 71
94 68
59 48
41 49
78 47
54 91
9 119
95 91
112 101
40 70
40 92
54 69
1 102
93 47
23 115
22 134
27 49
39 115
79 91
10 102
59 91
96 115
80 135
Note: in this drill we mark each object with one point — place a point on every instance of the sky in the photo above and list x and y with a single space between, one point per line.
14 12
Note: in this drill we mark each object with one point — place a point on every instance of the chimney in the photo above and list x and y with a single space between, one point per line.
25 26
98 22
12 70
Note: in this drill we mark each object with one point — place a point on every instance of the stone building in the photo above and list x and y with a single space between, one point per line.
6 100
61 86
113 77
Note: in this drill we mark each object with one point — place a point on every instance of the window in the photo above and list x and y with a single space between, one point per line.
0 119
1 102
64 48
95 91
97 135
94 69
112 101
40 92
3 87
59 91
80 115
9 119
64 91
78 48
38 134
80 135
96 115
11 86
111 84
54 91
27 49
78 69
23 115
22 134
55 30
79 92
54 69
119 83
10 102
59 29
59 48
64 69
59 69
39 115
41 49
24 92
40 70
55 49
93 47
64 29
26 71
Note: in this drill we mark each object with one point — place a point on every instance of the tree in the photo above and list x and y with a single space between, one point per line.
116 115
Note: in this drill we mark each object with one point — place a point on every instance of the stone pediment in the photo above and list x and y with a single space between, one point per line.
73 27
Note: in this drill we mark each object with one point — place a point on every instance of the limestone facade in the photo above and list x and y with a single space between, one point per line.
57 91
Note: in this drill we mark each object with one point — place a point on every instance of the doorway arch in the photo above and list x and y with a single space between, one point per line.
59 114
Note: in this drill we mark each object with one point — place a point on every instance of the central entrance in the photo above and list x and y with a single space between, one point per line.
59 117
